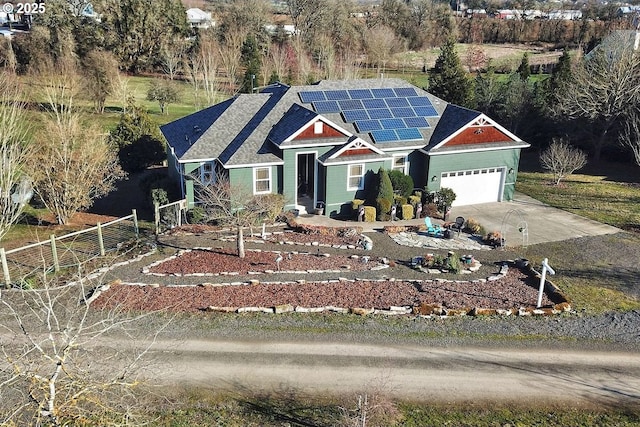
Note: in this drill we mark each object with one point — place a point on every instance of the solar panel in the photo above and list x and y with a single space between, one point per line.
351 104
336 94
380 113
397 102
351 116
405 91
419 101
360 93
425 111
383 93
416 122
403 112
392 123
384 135
308 97
368 125
408 134
374 103
323 107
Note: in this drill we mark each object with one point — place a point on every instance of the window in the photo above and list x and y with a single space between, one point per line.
207 173
356 177
261 180
317 127
400 163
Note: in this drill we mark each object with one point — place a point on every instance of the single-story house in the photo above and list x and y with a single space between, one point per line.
315 143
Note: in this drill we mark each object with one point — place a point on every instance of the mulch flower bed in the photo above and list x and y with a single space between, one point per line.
224 261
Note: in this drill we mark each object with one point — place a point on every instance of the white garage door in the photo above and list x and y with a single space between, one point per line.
475 186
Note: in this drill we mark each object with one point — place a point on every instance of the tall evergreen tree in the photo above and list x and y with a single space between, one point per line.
250 57
524 70
448 80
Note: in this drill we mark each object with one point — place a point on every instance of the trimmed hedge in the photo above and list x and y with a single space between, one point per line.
369 214
407 211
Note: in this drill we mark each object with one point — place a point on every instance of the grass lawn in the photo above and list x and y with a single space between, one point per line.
594 197
598 273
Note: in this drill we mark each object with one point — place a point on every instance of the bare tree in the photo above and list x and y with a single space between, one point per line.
630 135
58 368
604 86
72 163
204 68
15 184
230 50
562 160
235 205
101 70
172 56
380 43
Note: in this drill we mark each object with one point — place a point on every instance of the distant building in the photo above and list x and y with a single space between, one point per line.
197 18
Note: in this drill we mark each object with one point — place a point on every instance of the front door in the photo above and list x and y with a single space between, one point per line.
306 185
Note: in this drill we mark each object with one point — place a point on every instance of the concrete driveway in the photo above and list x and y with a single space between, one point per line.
542 223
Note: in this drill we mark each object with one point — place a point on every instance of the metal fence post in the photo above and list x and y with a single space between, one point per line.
5 267
135 222
100 240
54 253
156 217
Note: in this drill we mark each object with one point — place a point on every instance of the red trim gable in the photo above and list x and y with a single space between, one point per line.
478 135
327 132
356 152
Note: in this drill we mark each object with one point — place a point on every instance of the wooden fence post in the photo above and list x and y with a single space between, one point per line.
100 240
5 267
135 222
54 253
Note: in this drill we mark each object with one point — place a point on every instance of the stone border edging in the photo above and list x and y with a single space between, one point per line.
426 311
146 270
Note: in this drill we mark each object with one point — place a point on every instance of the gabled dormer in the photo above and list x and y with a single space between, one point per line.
301 126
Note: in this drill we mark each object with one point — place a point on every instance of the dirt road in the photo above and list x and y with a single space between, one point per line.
428 374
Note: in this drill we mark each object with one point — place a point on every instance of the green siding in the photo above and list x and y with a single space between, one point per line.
337 193
475 160
289 178
188 183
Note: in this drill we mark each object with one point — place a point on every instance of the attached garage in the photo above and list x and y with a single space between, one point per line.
475 186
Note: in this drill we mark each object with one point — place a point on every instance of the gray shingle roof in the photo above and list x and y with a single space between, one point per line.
251 128
452 119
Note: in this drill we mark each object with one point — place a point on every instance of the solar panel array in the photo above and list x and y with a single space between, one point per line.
388 114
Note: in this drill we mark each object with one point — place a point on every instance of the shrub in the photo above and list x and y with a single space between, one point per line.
407 211
429 209
369 214
415 199
445 197
196 215
355 204
383 207
494 238
399 200
473 227
401 183
452 263
385 189
159 180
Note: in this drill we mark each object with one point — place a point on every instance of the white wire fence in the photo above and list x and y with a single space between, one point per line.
170 215
59 252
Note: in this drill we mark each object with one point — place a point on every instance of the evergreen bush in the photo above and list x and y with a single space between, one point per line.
402 184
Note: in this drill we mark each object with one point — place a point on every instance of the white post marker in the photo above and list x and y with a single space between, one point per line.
545 267
264 234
